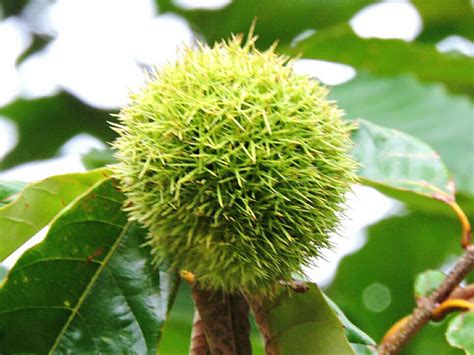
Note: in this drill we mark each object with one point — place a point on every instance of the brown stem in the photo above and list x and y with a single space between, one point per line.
224 320
198 338
399 336
261 318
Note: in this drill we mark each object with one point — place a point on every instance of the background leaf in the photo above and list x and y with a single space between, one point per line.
374 286
299 15
45 124
38 204
107 296
443 18
424 111
387 57
460 332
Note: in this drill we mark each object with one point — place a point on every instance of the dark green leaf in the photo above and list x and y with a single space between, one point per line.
45 124
374 286
38 43
460 332
428 112
304 323
298 15
12 7
388 57
89 287
427 282
38 204
443 18
96 158
8 190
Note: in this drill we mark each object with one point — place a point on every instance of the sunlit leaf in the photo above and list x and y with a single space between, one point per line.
36 206
88 287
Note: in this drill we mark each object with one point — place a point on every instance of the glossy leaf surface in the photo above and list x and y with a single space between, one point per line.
88 287
34 208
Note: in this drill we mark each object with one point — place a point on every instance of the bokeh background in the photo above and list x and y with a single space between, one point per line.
66 65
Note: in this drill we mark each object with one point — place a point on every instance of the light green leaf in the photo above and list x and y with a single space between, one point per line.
427 282
304 323
88 287
388 57
38 204
400 165
460 332
428 112
8 190
361 349
354 335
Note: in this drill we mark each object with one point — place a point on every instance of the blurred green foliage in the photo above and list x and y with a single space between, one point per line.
409 86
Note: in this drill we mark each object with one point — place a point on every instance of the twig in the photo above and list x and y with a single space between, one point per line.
198 338
224 320
402 332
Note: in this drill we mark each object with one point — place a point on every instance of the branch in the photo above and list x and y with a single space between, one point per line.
224 320
198 338
402 332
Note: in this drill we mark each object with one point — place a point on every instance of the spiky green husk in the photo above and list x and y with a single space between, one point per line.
236 165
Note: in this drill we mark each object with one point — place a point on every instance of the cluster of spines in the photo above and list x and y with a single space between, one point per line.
236 165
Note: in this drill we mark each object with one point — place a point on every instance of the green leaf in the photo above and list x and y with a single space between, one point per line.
354 335
38 204
8 190
298 15
3 273
304 323
12 7
388 57
96 158
373 286
427 282
443 18
46 123
460 332
361 349
427 112
89 287
392 159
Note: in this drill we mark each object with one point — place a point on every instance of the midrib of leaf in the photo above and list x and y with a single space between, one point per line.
91 284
